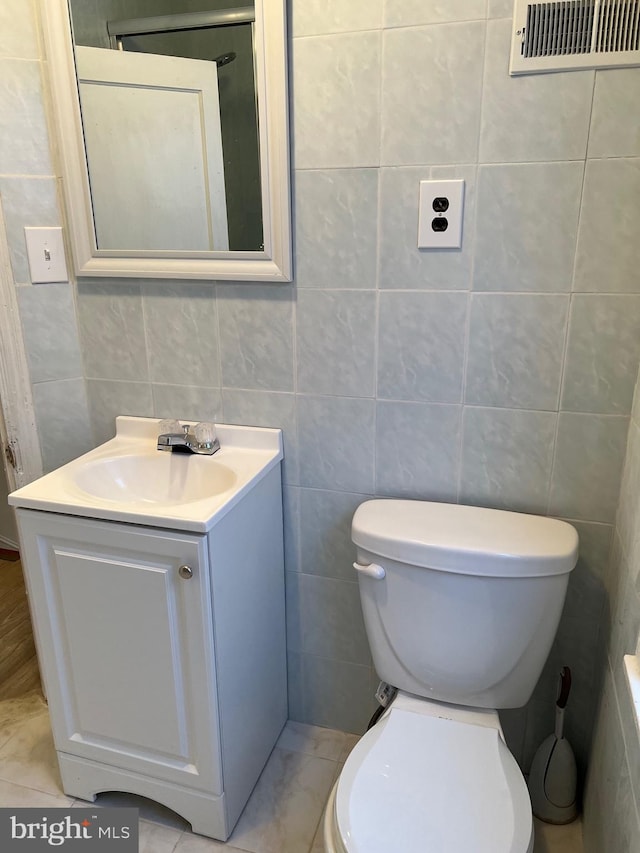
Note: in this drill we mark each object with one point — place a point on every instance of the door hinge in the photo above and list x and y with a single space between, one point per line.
10 456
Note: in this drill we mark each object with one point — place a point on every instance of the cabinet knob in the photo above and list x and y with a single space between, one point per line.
185 572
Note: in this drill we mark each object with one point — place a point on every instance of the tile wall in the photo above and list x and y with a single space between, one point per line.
28 194
501 374
612 803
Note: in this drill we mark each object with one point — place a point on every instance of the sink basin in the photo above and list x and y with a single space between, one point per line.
128 479
158 478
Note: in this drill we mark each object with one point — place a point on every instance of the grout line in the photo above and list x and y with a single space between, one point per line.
219 348
584 178
559 410
491 164
27 176
378 289
141 290
483 88
320 822
33 59
565 352
384 27
376 328
467 335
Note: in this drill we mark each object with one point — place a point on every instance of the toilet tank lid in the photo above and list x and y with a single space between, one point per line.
465 539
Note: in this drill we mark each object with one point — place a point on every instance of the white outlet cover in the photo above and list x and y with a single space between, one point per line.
440 229
45 251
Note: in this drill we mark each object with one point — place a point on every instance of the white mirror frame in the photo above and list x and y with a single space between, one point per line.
274 263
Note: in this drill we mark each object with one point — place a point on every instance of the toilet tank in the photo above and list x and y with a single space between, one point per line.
461 604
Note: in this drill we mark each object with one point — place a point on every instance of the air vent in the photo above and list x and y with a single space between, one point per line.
573 35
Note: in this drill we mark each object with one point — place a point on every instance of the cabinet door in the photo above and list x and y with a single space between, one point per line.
126 645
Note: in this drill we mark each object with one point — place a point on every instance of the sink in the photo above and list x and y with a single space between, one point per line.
158 478
128 479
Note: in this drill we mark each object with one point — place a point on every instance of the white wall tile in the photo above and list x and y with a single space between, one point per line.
602 353
63 421
608 256
516 344
24 142
337 691
421 346
506 458
186 402
256 336
328 618
417 450
291 523
336 100
181 325
336 227
527 221
537 117
408 13
50 332
112 330
325 532
431 90
615 129
500 8
588 465
336 437
318 17
332 354
267 409
109 398
18 33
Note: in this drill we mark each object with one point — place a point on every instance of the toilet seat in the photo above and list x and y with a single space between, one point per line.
424 783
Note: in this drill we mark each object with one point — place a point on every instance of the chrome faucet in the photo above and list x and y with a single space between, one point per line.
199 438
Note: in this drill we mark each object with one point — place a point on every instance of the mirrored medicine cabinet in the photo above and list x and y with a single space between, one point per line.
172 128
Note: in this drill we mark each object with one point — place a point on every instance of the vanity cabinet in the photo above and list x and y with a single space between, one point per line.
163 653
129 670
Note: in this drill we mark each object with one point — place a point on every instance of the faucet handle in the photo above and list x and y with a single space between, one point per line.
205 433
169 425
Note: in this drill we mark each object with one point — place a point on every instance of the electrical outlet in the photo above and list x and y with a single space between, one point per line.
45 250
440 212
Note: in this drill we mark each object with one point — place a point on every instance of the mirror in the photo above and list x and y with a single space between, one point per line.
173 134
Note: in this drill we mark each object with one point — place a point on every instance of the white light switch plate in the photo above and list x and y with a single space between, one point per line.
45 250
441 209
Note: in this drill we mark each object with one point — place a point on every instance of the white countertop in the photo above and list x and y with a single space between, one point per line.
246 454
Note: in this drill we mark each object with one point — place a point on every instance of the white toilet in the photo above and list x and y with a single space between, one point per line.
461 605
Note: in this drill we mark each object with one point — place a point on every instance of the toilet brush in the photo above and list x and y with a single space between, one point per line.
553 776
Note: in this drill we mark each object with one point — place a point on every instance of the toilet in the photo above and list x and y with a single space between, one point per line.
461 605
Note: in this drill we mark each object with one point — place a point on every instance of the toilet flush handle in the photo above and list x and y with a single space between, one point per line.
371 570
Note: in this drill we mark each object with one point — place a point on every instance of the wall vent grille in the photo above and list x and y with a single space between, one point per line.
574 34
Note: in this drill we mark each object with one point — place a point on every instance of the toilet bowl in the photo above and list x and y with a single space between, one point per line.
461 605
430 777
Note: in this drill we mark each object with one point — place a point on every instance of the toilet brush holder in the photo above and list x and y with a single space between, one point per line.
553 777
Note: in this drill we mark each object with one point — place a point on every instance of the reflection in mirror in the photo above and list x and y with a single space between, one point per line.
170 121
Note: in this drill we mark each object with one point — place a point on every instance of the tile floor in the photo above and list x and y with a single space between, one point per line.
282 816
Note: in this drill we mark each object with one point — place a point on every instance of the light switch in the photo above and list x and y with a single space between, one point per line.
441 208
45 250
